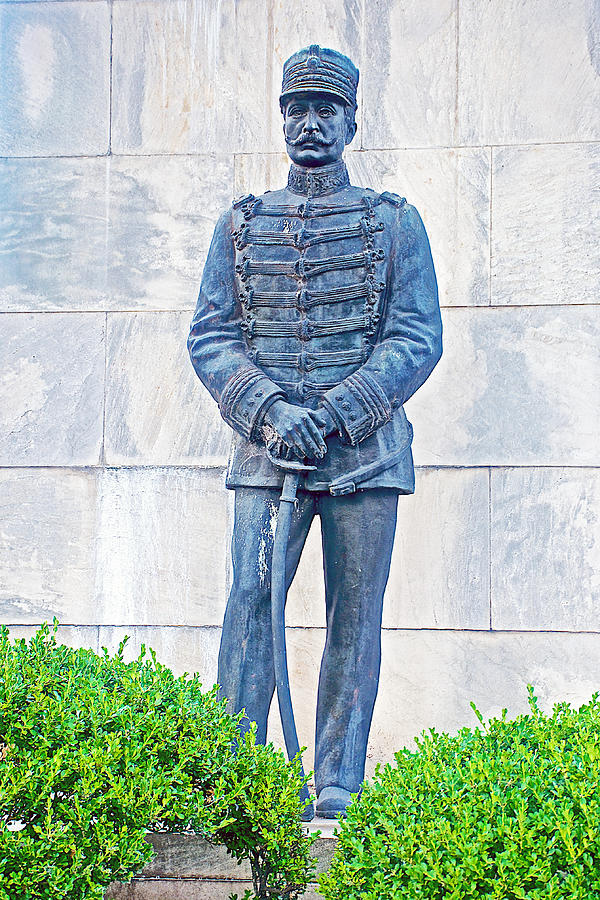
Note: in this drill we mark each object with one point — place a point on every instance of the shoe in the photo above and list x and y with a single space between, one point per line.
308 813
333 802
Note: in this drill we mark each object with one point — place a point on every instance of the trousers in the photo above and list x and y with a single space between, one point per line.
357 538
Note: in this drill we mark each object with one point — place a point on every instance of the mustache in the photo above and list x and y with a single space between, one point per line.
310 139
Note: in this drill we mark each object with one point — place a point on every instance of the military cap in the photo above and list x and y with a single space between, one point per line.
316 68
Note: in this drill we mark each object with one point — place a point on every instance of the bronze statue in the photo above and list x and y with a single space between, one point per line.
317 319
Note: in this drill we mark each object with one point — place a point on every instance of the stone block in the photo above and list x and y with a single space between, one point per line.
157 410
429 677
51 391
54 96
161 544
546 549
546 225
167 889
440 567
53 234
255 173
47 546
162 214
439 576
514 387
116 233
182 648
409 74
451 190
305 605
189 856
528 72
190 77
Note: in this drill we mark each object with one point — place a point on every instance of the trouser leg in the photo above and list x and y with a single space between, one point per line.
358 536
246 670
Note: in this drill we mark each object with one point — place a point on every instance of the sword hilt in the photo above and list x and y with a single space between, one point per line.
290 465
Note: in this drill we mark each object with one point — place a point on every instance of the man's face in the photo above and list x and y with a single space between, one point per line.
316 129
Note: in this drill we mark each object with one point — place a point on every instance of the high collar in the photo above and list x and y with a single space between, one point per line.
320 180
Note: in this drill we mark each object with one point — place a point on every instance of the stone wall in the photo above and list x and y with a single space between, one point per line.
125 128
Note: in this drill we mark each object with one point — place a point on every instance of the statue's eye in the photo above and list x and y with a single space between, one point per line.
326 111
295 111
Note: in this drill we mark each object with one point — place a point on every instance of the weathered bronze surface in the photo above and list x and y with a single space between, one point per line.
317 319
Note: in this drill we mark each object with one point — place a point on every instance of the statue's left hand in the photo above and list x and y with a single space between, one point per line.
325 421
298 429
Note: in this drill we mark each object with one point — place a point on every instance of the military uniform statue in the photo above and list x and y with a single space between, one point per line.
317 319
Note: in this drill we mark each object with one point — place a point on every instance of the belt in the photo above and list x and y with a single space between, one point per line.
348 483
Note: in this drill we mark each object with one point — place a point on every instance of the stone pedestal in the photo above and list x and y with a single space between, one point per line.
186 867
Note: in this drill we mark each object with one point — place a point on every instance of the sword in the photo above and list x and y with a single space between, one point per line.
293 469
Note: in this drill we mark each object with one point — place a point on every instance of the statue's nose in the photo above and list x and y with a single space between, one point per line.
310 124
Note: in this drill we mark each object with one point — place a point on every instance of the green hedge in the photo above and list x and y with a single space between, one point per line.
508 812
96 751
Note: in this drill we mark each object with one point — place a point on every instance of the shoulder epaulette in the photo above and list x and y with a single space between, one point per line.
394 199
239 201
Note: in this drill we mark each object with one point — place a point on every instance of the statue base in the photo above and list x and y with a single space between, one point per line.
186 867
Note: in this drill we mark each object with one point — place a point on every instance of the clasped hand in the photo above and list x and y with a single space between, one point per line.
302 430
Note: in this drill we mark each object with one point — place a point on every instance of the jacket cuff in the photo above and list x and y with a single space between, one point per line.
359 406
244 398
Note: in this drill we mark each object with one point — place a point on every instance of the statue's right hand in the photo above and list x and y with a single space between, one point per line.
297 429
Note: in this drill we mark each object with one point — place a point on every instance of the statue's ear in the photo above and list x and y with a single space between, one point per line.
350 132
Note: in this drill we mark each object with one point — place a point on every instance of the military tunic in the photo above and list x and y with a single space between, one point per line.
321 293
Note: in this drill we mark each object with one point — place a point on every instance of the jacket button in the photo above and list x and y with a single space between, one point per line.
339 398
259 393
352 417
345 405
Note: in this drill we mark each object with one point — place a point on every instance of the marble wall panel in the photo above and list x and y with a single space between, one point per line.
54 215
54 93
528 71
546 224
47 554
157 410
428 679
190 77
255 173
113 233
546 549
182 648
161 547
440 568
306 598
162 214
51 390
450 188
514 387
439 576
409 73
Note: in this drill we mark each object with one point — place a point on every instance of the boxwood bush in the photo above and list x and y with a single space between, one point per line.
511 810
96 751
